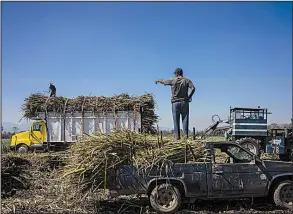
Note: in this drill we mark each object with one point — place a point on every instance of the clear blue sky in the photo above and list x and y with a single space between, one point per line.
236 54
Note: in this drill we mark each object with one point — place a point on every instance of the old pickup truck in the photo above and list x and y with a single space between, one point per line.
240 174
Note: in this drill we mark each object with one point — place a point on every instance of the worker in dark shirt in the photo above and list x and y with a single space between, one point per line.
52 90
180 100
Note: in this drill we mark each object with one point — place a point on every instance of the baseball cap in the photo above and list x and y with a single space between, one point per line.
178 71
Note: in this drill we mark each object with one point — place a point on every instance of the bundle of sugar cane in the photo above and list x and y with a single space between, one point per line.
144 104
176 152
93 160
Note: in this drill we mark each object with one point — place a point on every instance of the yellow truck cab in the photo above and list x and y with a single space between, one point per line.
32 139
58 130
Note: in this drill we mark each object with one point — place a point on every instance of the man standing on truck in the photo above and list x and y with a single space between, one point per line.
180 100
52 90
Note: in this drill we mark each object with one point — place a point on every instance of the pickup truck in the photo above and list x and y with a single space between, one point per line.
240 174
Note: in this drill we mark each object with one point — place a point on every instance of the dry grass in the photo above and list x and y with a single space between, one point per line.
5 146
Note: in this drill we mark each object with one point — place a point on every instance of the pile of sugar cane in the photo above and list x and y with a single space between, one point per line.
14 175
93 160
33 183
144 104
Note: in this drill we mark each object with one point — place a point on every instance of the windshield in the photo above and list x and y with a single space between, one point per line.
249 114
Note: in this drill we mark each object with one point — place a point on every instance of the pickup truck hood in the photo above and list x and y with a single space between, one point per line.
278 166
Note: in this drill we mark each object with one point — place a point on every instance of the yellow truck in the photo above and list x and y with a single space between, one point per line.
52 131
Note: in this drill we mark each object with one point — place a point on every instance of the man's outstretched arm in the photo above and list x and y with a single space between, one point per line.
165 82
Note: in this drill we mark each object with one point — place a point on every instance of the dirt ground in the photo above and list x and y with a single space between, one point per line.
140 205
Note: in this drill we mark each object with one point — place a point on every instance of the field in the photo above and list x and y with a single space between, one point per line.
50 192
5 145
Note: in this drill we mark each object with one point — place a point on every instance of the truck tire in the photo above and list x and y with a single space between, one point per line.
165 199
283 195
22 148
250 144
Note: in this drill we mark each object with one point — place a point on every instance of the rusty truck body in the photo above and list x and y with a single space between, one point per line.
241 174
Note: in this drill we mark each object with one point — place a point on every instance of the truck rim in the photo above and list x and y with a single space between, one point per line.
22 149
286 194
166 198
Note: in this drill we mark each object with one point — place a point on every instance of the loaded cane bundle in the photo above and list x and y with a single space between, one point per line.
144 104
93 160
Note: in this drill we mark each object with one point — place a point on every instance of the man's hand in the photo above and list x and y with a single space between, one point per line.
191 94
159 81
188 99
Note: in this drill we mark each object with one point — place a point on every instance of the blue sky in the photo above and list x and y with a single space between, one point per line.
236 54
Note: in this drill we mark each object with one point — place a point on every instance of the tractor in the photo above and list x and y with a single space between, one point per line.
249 128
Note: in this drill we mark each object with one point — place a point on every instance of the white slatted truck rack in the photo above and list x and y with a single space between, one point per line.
67 128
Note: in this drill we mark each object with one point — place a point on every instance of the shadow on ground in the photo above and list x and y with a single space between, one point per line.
141 205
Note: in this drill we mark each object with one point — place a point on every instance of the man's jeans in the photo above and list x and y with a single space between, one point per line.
180 108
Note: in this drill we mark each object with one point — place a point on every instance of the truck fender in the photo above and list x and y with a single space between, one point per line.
155 181
280 177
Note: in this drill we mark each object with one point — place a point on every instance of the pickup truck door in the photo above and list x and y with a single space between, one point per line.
238 179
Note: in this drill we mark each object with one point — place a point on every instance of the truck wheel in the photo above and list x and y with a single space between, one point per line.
165 198
283 195
22 148
250 144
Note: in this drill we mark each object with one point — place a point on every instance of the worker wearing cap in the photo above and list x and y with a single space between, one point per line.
52 90
180 100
